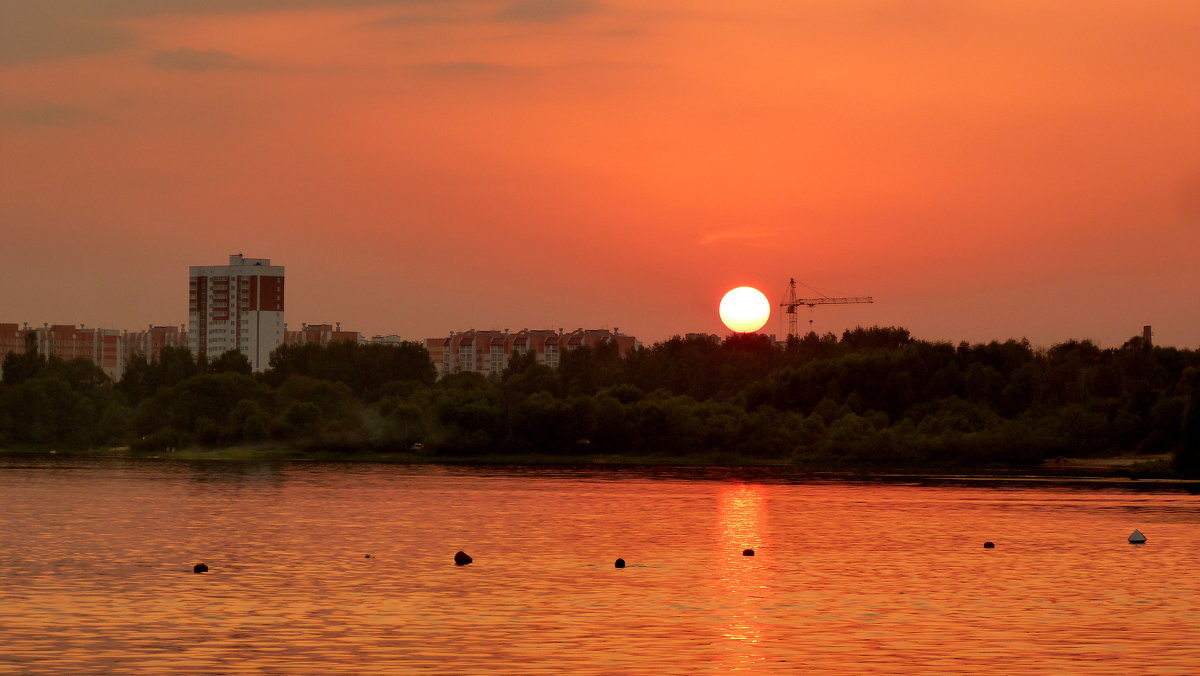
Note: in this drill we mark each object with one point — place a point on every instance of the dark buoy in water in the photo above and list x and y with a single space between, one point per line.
619 564
747 552
1136 538
989 545
199 568
461 559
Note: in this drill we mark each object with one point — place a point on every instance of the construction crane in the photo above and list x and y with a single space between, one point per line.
792 302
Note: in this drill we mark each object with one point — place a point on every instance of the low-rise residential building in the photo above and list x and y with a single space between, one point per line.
12 338
488 352
151 340
321 334
67 341
109 349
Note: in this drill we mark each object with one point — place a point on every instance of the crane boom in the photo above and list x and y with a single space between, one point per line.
792 302
810 302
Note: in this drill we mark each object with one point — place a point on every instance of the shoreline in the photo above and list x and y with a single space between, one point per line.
1110 471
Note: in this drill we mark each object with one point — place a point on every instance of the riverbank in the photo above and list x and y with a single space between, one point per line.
1142 469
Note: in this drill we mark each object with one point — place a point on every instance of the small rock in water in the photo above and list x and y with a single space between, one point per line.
619 564
989 545
199 568
461 559
1136 537
747 552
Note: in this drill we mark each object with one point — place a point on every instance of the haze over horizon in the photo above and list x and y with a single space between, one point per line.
985 170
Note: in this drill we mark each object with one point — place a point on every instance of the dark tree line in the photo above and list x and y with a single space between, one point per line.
874 397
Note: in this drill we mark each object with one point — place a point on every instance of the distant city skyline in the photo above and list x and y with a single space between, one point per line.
809 320
241 307
985 170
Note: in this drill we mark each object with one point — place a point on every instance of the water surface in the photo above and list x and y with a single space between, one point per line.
96 559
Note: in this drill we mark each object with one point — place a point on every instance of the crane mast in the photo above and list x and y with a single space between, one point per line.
790 304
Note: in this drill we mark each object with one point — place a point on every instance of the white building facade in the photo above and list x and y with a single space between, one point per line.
236 307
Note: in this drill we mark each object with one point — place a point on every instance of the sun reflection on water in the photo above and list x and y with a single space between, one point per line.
872 578
744 580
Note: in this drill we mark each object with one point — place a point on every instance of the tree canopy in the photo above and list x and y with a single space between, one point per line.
871 397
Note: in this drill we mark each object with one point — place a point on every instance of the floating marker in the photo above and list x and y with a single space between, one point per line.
747 552
619 564
1136 537
199 568
461 559
989 545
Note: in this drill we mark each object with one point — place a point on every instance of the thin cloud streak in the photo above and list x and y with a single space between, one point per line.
199 60
45 116
413 20
546 11
31 34
731 235
457 68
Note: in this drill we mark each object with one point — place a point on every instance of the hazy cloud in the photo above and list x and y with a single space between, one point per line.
727 235
462 68
44 116
1187 196
412 20
462 11
135 8
39 30
548 11
198 60
29 34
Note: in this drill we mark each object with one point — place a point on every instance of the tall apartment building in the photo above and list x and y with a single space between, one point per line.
236 307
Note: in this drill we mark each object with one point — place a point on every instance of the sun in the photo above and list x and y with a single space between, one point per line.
745 309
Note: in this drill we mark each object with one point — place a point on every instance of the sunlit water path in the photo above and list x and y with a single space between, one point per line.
96 559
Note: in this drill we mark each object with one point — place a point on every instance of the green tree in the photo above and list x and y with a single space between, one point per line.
143 377
365 368
18 368
1187 458
232 361
199 406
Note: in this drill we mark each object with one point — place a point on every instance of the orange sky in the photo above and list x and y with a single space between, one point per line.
985 170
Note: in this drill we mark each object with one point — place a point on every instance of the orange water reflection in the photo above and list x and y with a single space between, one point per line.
744 580
96 561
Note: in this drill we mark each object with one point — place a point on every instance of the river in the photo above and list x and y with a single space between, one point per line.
348 568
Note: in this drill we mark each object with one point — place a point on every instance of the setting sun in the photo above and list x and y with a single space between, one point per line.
745 309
